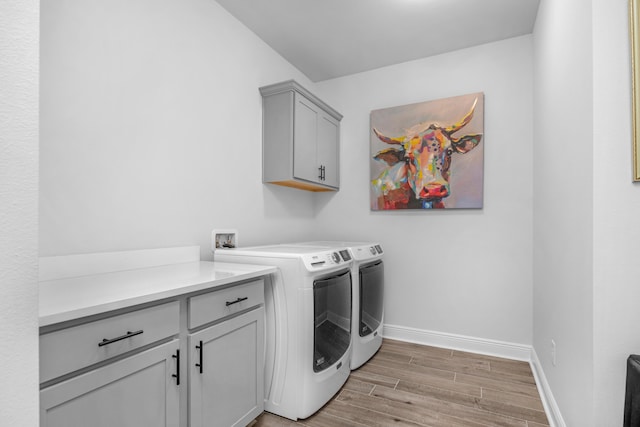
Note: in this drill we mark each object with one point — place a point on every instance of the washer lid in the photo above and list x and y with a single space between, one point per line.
286 250
360 251
314 258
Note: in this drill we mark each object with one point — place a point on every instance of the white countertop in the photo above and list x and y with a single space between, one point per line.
71 298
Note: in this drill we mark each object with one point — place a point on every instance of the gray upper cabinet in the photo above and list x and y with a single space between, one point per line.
300 139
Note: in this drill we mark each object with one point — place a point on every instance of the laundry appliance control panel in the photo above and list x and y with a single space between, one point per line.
326 259
366 252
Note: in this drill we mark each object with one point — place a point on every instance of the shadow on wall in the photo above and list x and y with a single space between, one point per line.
287 202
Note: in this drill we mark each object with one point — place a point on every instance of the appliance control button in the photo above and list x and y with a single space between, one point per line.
335 257
372 250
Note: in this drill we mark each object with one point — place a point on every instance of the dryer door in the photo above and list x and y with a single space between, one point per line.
371 297
332 319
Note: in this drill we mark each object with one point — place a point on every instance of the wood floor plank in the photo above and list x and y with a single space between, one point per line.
411 348
512 410
498 384
410 385
500 376
406 410
465 354
271 420
453 409
371 417
325 419
516 399
412 369
450 364
372 376
512 367
355 384
532 424
393 355
515 406
438 393
406 373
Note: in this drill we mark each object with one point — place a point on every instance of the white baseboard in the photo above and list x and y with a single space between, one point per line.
549 402
459 342
488 347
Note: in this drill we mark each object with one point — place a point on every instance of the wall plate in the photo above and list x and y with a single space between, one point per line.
224 239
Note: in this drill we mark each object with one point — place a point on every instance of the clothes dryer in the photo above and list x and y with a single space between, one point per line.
367 272
308 324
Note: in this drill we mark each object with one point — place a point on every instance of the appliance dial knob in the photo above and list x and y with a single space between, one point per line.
372 250
335 257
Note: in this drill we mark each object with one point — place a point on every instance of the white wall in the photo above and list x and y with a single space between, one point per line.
152 137
616 206
18 212
563 204
151 128
465 272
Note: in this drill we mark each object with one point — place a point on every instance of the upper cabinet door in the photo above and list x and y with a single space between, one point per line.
301 139
327 149
305 136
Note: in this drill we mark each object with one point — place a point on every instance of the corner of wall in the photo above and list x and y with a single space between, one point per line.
548 401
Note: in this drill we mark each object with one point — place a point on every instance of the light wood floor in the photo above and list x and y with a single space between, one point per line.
412 385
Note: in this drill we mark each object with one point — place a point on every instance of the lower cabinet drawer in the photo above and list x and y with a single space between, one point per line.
215 305
70 349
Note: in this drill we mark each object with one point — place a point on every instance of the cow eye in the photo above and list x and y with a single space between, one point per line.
449 151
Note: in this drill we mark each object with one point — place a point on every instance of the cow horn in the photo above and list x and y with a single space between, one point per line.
465 120
387 139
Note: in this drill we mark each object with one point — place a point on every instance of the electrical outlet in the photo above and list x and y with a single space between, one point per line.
553 352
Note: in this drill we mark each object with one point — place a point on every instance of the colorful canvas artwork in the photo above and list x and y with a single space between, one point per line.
428 155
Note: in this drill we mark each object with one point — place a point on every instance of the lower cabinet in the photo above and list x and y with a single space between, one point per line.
226 380
137 391
201 353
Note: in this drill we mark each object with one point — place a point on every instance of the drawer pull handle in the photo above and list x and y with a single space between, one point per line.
129 334
236 301
177 374
199 347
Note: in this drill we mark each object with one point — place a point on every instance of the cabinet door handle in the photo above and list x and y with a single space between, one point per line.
129 334
177 374
321 169
199 347
324 174
237 301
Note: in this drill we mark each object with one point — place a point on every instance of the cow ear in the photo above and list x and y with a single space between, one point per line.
390 155
466 143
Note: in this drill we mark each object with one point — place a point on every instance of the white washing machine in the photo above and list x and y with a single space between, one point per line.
308 324
367 318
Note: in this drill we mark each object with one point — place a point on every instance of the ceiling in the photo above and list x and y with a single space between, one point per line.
332 38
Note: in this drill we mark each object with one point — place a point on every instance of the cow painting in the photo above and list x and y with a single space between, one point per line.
417 166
